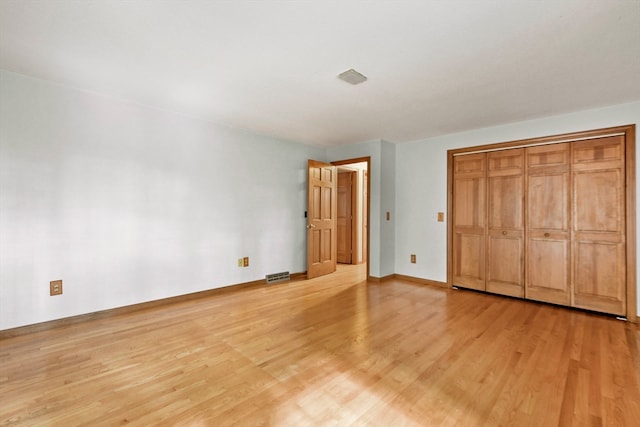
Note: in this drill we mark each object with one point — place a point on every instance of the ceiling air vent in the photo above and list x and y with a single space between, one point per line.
352 77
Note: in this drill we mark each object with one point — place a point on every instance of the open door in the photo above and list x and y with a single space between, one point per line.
321 219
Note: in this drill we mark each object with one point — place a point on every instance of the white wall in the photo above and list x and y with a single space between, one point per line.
387 204
128 204
421 181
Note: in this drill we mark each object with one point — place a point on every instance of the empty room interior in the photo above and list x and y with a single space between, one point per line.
314 213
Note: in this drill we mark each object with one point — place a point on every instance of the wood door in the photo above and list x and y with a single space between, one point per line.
365 216
548 248
469 221
599 264
345 217
321 221
505 222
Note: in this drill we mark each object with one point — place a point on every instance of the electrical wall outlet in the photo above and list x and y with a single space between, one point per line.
440 216
240 262
413 259
245 261
55 287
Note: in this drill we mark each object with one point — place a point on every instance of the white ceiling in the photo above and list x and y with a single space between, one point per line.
433 66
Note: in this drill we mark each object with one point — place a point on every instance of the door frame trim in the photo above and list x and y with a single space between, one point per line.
366 159
629 132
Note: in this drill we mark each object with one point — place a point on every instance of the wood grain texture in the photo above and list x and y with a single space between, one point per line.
469 221
602 277
322 179
335 350
599 230
344 220
505 222
630 206
548 230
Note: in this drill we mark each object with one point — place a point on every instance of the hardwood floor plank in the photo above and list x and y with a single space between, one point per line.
335 350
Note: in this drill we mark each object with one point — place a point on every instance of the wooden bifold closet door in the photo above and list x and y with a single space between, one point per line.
599 225
548 223
469 225
544 222
505 222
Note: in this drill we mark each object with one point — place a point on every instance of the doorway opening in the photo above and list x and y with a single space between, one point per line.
353 207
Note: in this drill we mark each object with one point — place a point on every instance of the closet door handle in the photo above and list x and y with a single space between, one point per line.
504 233
547 234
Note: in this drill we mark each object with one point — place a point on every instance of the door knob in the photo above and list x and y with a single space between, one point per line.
504 233
310 226
547 234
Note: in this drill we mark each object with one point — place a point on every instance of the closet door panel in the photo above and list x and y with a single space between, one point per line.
548 266
599 270
505 202
599 257
548 201
599 202
505 264
469 262
505 222
548 270
469 202
469 221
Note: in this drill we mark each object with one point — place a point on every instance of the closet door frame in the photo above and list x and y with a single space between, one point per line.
630 195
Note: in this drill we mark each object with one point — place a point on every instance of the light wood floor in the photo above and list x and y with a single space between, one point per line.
329 351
